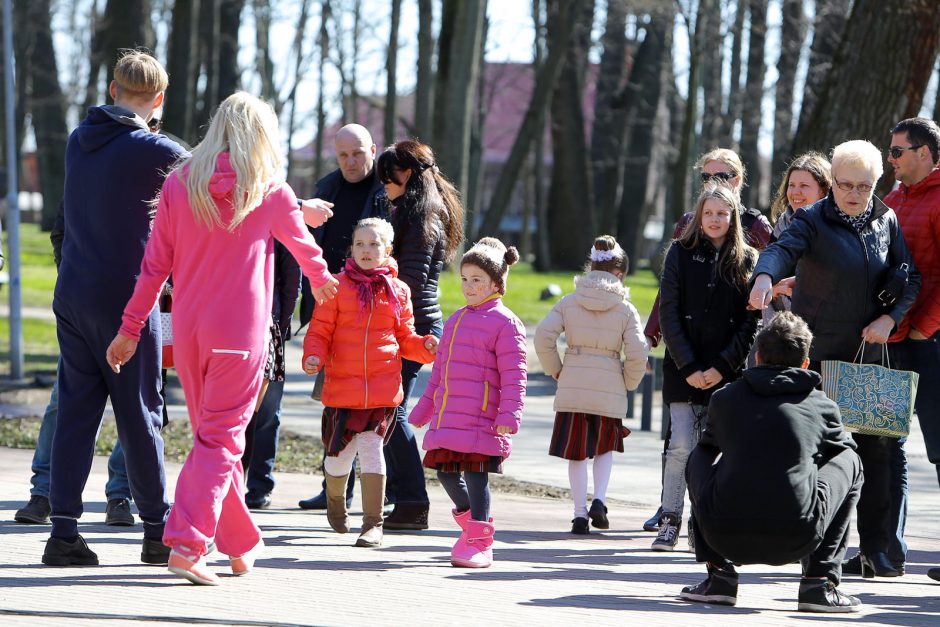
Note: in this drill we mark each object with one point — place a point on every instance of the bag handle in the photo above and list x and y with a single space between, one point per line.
885 358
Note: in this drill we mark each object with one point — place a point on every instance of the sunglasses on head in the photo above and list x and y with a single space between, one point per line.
897 151
724 176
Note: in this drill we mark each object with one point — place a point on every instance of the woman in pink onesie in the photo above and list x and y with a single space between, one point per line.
216 219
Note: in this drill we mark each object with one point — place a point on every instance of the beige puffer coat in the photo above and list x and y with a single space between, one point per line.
599 323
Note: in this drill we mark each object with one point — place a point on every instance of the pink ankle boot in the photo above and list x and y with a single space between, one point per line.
474 548
461 518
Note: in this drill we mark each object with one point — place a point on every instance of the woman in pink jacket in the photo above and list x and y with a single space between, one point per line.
473 402
216 219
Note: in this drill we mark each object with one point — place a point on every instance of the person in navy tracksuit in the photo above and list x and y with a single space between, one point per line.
114 167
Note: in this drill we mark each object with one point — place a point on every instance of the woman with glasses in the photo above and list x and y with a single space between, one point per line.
841 249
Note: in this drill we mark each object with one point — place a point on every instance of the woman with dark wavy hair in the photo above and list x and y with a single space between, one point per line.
428 220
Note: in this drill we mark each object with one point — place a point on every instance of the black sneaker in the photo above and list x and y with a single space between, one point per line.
720 588
154 551
36 512
62 553
412 516
934 573
668 536
579 526
652 523
118 513
823 596
258 501
598 514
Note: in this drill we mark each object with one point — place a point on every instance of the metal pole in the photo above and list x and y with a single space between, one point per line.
13 211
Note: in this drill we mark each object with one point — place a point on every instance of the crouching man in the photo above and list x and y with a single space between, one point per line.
775 478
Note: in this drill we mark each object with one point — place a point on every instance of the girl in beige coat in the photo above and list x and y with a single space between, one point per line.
599 323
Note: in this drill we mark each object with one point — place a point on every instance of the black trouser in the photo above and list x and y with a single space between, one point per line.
838 485
874 506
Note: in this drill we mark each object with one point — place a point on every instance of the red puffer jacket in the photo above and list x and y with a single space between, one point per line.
918 211
361 349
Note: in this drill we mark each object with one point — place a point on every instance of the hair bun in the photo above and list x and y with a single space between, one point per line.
511 256
605 242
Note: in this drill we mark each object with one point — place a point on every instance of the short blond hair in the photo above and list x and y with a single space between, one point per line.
137 74
858 153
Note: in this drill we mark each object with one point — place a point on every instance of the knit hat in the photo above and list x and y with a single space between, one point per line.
492 256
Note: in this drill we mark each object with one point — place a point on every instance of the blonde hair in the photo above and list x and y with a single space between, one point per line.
247 129
728 157
858 153
816 165
736 258
382 227
139 75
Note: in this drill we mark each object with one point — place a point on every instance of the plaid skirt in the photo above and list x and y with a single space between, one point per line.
339 426
446 460
578 436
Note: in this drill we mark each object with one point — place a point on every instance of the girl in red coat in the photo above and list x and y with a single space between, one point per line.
360 339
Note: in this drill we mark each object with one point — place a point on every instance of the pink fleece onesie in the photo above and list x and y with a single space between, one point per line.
222 291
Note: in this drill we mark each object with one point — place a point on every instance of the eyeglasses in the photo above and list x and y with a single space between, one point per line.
724 176
863 188
897 151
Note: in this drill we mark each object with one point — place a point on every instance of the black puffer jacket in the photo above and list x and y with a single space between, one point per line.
705 322
838 274
774 429
419 250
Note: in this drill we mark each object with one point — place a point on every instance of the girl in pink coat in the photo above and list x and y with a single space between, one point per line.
216 219
473 402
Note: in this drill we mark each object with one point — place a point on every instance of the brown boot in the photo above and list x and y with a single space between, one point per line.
336 502
373 494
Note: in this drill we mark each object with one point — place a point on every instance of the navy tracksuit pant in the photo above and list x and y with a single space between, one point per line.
86 382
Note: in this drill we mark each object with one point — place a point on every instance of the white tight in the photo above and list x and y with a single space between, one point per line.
578 478
371 459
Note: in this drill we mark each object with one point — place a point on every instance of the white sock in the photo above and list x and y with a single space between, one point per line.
578 478
602 467
371 457
341 464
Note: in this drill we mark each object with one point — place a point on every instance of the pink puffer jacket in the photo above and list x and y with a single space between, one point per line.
478 382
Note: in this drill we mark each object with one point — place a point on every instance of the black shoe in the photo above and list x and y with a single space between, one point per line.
877 564
319 502
408 516
258 501
853 565
823 596
934 573
579 526
652 524
720 588
118 513
62 553
598 514
36 512
154 552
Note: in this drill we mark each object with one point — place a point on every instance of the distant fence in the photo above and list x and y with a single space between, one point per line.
651 384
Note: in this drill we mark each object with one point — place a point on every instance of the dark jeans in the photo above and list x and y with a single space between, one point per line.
923 357
897 461
838 485
472 491
874 506
405 482
259 457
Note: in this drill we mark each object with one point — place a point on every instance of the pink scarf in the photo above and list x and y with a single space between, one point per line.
371 281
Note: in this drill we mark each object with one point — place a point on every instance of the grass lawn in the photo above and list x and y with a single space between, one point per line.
38 267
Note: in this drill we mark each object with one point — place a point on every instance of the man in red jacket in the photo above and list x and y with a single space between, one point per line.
915 345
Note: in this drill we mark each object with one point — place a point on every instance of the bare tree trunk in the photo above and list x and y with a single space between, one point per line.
828 27
391 82
646 153
229 73
542 246
853 106
608 132
425 80
323 41
936 97
792 35
753 97
733 113
209 58
476 174
354 62
264 66
183 64
95 59
533 124
572 226
299 71
683 161
712 64
456 100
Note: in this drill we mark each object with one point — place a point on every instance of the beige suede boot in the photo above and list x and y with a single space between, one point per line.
373 495
336 502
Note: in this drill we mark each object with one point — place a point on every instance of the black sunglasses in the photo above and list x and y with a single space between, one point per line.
724 176
155 124
897 151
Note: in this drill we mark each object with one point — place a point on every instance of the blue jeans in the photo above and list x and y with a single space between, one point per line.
117 486
405 482
687 421
260 470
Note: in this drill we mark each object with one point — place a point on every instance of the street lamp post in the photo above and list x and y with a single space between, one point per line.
13 212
